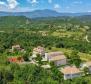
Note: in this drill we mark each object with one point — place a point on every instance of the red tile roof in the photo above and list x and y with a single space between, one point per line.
15 59
70 70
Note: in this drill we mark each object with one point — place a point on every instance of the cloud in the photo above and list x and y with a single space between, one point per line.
77 2
22 9
89 10
57 7
2 3
32 1
50 1
12 4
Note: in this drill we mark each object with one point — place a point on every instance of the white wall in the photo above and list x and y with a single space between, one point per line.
60 62
70 76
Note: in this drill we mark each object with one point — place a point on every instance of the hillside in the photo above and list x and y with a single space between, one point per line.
22 21
13 21
68 35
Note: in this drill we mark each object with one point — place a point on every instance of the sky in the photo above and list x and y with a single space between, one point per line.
68 6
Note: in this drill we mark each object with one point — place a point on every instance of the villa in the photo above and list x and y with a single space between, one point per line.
86 64
38 50
16 47
57 57
70 72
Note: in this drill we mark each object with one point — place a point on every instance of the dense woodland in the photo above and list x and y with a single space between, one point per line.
67 34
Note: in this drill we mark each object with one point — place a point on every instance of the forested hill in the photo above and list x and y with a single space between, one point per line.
42 13
23 22
13 21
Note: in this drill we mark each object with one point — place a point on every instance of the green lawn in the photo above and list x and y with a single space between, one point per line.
68 34
83 56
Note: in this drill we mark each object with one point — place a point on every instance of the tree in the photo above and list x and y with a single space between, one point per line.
1 77
26 56
86 70
39 59
47 81
56 74
75 58
14 67
6 76
52 64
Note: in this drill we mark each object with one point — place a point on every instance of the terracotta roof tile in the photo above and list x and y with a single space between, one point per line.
70 70
56 58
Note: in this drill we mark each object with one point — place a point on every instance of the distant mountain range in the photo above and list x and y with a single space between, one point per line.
42 13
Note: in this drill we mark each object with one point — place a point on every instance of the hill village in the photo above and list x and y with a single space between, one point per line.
47 60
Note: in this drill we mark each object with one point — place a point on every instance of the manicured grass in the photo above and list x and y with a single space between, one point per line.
68 34
83 56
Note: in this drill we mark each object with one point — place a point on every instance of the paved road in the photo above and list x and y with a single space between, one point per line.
87 38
